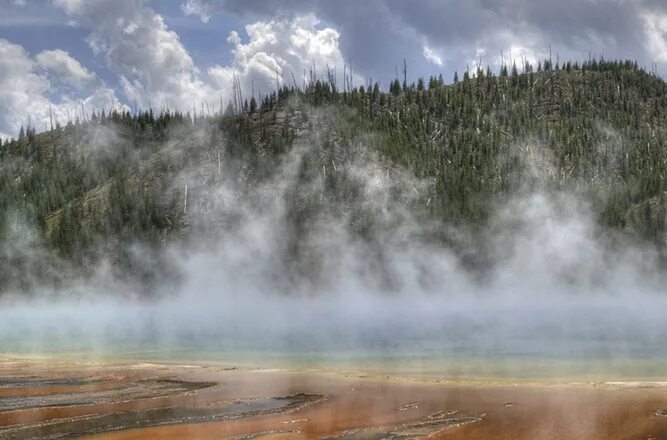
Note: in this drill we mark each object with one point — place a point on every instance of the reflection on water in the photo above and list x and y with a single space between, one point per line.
149 417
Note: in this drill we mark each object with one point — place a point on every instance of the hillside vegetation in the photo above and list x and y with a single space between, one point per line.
96 191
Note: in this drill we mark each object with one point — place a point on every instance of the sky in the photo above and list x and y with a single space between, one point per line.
66 58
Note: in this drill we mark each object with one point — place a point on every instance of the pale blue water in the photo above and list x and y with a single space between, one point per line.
592 341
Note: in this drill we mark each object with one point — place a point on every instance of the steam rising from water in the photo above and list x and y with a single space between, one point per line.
330 260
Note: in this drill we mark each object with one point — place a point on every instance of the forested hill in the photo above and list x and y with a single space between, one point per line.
94 190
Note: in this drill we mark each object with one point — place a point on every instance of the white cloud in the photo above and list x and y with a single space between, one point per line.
67 69
191 7
432 56
155 68
153 65
26 84
379 33
21 89
655 27
280 49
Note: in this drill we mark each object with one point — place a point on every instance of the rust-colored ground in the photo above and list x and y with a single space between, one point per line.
354 407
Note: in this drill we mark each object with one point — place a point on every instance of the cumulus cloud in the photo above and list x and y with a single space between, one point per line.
379 33
21 89
63 67
26 85
656 34
154 67
286 38
279 50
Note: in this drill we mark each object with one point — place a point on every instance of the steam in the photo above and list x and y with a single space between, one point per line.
332 256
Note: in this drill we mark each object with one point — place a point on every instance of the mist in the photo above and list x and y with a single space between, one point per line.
331 256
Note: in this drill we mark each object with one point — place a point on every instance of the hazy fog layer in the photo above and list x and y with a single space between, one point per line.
337 263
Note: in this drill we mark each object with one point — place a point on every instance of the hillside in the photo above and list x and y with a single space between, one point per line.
447 156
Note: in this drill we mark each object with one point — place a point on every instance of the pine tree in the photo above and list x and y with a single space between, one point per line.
395 87
253 105
420 84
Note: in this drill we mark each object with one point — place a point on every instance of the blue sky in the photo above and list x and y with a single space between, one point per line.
74 54
39 25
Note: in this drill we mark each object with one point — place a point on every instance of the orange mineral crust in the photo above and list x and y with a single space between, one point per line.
139 401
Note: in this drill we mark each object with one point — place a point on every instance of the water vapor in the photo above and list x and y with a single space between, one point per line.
329 253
